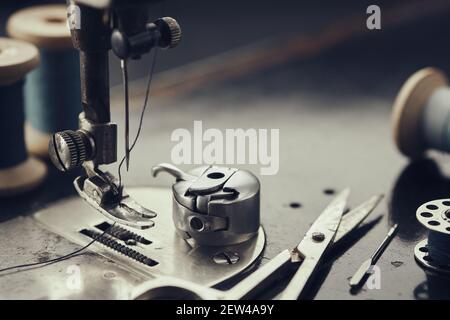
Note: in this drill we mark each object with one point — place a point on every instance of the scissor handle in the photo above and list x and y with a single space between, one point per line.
171 288
254 281
167 288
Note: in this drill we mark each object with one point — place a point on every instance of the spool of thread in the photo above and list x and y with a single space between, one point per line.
18 172
421 114
434 252
52 92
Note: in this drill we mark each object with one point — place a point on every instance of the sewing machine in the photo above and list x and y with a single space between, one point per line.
124 27
140 235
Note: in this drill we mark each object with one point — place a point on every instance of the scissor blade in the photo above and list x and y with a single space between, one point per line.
331 217
315 243
353 219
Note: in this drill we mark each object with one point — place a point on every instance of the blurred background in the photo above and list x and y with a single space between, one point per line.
211 28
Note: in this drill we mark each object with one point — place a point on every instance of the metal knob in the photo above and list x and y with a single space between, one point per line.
69 149
170 32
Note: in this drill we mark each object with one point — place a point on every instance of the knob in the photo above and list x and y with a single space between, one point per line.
69 149
170 32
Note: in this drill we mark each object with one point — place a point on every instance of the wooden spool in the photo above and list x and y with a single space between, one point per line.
46 27
17 58
409 107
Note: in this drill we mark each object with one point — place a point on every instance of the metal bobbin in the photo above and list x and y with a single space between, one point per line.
52 92
433 253
18 172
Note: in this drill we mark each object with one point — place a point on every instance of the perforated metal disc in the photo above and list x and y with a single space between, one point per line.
426 260
435 215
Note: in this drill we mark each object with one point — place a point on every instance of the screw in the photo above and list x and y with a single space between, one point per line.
226 258
318 236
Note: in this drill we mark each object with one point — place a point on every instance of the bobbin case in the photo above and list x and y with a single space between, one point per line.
213 205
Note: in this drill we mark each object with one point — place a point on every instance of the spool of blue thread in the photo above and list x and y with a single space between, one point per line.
52 92
18 172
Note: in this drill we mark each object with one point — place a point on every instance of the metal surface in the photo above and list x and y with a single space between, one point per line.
309 252
333 112
23 240
435 215
214 205
100 190
173 256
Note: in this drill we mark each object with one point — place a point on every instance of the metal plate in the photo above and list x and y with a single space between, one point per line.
435 215
174 256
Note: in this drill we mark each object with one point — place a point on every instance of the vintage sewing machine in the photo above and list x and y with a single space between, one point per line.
215 210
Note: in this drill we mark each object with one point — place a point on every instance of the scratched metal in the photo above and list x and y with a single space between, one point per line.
333 114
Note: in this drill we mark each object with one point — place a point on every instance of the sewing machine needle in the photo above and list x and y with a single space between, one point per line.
123 64
367 265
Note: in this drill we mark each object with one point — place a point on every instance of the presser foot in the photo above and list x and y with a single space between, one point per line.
102 193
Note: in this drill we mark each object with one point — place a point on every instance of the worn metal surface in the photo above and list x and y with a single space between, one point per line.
333 114
105 273
24 241
174 256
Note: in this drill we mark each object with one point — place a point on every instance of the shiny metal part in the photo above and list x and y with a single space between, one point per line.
423 258
101 191
433 253
174 257
306 256
214 205
367 265
313 251
353 218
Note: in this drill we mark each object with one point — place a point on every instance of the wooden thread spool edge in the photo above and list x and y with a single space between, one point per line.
18 58
46 27
408 109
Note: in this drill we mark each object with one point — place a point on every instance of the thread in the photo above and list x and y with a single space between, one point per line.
52 92
439 247
12 142
18 172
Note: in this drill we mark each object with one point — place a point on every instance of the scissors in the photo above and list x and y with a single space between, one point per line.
330 227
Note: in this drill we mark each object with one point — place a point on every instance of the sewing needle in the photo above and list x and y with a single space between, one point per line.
123 64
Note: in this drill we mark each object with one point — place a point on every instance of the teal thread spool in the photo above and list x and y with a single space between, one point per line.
52 92
18 172
421 114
